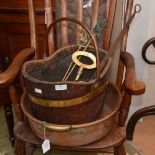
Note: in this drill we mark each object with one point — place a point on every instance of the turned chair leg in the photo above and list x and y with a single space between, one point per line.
135 117
119 150
10 122
19 147
30 149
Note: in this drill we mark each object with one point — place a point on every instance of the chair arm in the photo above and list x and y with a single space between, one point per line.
132 85
7 77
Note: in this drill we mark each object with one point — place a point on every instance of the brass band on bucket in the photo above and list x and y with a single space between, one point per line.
70 102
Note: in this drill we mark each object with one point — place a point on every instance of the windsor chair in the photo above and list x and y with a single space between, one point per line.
150 110
113 142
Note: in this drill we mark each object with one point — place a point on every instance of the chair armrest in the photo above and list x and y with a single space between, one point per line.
7 77
132 85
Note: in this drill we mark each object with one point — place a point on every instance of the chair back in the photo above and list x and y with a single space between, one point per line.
103 8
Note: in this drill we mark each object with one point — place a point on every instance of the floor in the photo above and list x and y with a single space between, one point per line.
144 139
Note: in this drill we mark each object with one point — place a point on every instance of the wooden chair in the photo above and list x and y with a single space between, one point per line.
113 142
150 110
6 103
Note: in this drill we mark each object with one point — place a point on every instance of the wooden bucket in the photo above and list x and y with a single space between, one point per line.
65 102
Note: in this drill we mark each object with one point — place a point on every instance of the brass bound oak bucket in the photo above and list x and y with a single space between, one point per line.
66 102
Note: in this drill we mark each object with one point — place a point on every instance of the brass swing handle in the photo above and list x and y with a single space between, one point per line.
55 127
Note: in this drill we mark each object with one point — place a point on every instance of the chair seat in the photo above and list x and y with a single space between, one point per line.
115 137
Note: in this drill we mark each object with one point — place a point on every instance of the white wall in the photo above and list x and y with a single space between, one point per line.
142 28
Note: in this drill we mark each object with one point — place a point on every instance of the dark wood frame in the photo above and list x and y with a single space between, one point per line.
150 110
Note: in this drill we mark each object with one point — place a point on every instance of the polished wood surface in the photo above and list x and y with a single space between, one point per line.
64 24
14 26
127 15
108 32
20 4
79 17
95 9
33 35
48 20
133 86
16 101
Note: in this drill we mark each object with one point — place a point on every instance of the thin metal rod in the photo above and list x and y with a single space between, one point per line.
68 73
118 40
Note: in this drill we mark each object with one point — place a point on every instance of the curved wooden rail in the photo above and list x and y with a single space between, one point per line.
135 117
132 85
8 76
